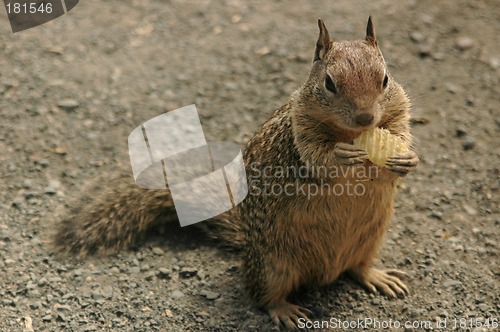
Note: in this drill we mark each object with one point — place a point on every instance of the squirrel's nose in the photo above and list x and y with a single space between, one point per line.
364 119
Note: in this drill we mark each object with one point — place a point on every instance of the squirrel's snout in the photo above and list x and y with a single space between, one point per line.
364 119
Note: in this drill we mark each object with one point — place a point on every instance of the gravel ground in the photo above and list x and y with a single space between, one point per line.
73 89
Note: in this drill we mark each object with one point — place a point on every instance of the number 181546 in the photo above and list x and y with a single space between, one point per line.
28 8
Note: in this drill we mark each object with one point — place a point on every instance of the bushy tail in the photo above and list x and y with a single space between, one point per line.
112 214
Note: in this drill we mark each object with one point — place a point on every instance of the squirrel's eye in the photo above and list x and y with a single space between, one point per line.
386 80
329 84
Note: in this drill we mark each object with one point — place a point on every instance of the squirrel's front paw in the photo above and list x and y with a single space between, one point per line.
349 155
402 164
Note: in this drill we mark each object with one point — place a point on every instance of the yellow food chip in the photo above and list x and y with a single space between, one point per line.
380 145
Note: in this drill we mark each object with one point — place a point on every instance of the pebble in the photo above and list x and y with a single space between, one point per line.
424 51
450 283
494 63
483 307
30 194
417 36
163 273
63 307
158 251
460 132
68 104
47 318
469 210
210 295
436 215
43 162
90 328
469 143
188 272
149 276
35 305
96 295
114 270
134 270
452 88
176 294
464 43
49 190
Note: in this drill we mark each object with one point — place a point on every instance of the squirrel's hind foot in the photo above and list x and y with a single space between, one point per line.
387 282
288 315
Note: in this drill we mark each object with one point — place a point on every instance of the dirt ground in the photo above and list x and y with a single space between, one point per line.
73 89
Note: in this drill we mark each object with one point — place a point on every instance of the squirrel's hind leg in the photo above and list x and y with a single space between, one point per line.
270 280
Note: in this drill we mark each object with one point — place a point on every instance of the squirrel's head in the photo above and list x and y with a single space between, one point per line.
348 80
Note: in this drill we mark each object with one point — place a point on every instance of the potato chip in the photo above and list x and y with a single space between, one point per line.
380 145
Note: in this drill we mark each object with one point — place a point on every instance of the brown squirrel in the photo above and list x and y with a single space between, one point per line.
297 236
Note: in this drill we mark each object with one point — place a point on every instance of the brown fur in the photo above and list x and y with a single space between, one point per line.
291 239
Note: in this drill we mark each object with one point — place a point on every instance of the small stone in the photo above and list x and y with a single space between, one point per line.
49 190
30 194
63 307
436 215
210 295
438 56
444 313
36 305
188 272
134 270
417 36
68 104
452 88
460 132
96 295
469 143
483 307
451 283
469 210
464 43
90 328
157 251
494 63
114 270
424 51
176 294
42 282
47 318
43 162
163 273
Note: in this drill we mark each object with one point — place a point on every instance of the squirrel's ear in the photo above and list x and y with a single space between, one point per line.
371 38
324 42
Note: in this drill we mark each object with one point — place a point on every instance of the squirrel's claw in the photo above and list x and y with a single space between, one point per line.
402 164
349 155
386 281
287 315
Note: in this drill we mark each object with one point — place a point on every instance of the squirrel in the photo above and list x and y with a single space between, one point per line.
296 237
